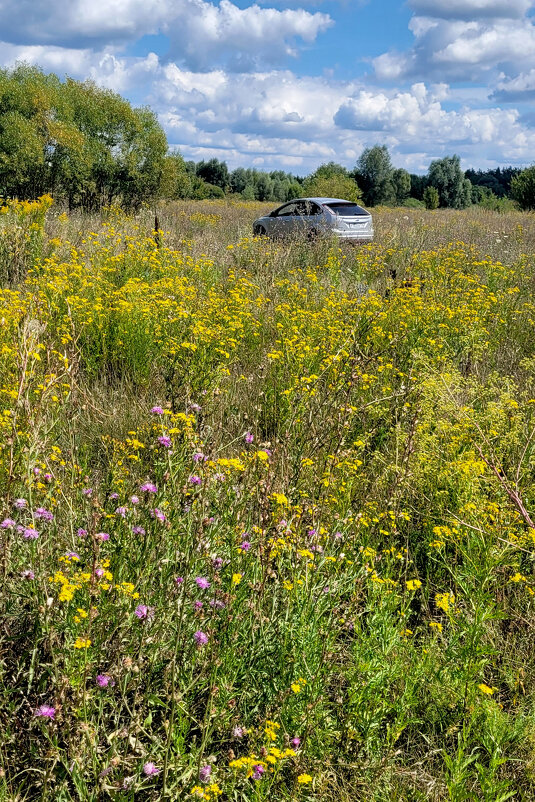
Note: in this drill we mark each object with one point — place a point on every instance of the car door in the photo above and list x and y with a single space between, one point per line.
283 220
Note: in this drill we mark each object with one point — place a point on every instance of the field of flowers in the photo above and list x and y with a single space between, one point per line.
266 509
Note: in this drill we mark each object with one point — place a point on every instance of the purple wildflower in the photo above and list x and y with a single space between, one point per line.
87 491
150 769
201 638
195 480
36 471
134 499
245 546
138 530
103 680
158 514
30 533
217 563
99 572
198 457
72 555
248 437
204 773
143 612
149 487
45 711
198 605
179 580
47 477
195 407
217 604
202 582
157 411
28 574
258 771
121 512
20 503
295 742
43 514
81 532
102 536
165 441
113 496
238 732
8 523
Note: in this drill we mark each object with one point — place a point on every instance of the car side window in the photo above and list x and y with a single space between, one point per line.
312 209
288 210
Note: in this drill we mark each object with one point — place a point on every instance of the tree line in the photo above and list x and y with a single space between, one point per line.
88 147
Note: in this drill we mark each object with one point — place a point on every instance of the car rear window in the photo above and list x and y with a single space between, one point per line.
347 209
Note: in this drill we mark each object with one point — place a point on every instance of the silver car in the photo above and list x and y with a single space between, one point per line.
316 217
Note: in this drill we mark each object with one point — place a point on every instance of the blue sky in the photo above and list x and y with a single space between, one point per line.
292 84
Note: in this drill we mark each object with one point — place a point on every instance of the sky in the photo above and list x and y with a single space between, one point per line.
292 84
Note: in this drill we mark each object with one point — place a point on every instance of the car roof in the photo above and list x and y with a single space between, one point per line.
324 200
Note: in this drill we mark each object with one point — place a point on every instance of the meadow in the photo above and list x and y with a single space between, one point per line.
267 509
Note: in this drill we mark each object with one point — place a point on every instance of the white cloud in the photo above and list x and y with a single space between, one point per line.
201 33
463 40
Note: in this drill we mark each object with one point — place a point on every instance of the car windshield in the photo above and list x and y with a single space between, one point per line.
347 209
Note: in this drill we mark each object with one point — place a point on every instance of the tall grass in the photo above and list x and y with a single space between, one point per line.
267 510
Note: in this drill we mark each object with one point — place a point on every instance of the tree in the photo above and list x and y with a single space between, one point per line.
401 181
332 181
449 181
373 174
431 198
523 188
418 185
214 172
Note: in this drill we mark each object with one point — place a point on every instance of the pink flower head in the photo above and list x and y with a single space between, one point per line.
258 771
87 491
36 471
150 769
72 555
81 532
45 711
201 638
8 523
44 515
204 773
121 512
245 546
143 612
20 503
157 411
202 582
179 580
30 533
295 742
158 515
198 605
103 680
134 499
99 572
238 732
248 437
47 477
195 480
195 407
165 441
102 536
28 574
149 487
198 457
138 530
113 496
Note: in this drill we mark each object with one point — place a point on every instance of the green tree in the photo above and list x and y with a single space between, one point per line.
523 188
402 185
214 172
373 174
431 198
454 190
332 181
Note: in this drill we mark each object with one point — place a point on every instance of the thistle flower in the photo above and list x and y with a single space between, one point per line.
30 533
258 771
205 772
198 605
81 532
245 546
103 680
150 769
20 503
144 613
158 515
198 456
138 530
45 711
201 638
165 441
179 580
202 582
8 523
295 742
121 512
113 496
28 574
149 487
157 411
134 499
195 480
44 515
248 437
87 491
102 536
